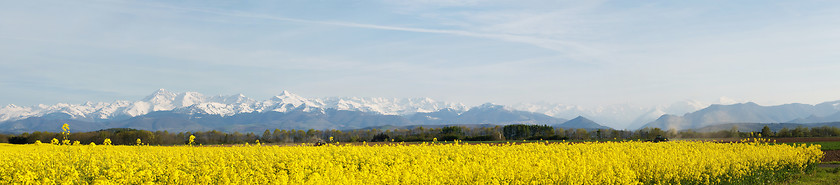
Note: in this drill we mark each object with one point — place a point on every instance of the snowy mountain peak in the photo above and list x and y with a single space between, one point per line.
160 96
163 93
287 95
235 99
491 106
189 98
197 103
287 98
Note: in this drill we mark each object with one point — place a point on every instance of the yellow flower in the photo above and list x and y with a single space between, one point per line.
625 162
192 140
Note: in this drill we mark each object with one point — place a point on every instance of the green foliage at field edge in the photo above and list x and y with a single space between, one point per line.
822 175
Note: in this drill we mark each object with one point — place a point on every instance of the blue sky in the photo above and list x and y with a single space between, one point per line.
505 52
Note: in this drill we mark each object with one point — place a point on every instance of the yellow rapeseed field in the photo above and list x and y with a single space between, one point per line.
532 163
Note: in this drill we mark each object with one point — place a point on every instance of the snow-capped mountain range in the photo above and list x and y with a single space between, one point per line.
164 110
197 103
617 116
191 111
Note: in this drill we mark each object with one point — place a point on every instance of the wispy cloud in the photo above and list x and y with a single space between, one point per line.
547 43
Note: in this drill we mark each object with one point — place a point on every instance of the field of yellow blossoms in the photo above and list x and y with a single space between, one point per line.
453 163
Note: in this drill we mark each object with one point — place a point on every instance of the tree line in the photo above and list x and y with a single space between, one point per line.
126 136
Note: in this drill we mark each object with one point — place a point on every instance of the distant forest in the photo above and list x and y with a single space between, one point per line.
125 136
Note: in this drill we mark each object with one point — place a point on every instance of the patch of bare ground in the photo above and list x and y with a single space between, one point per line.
805 139
828 165
831 156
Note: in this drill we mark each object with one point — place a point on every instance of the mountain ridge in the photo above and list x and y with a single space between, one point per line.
191 111
581 122
193 102
749 112
419 111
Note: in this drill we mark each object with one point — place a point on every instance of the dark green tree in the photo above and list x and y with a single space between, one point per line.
766 132
266 137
